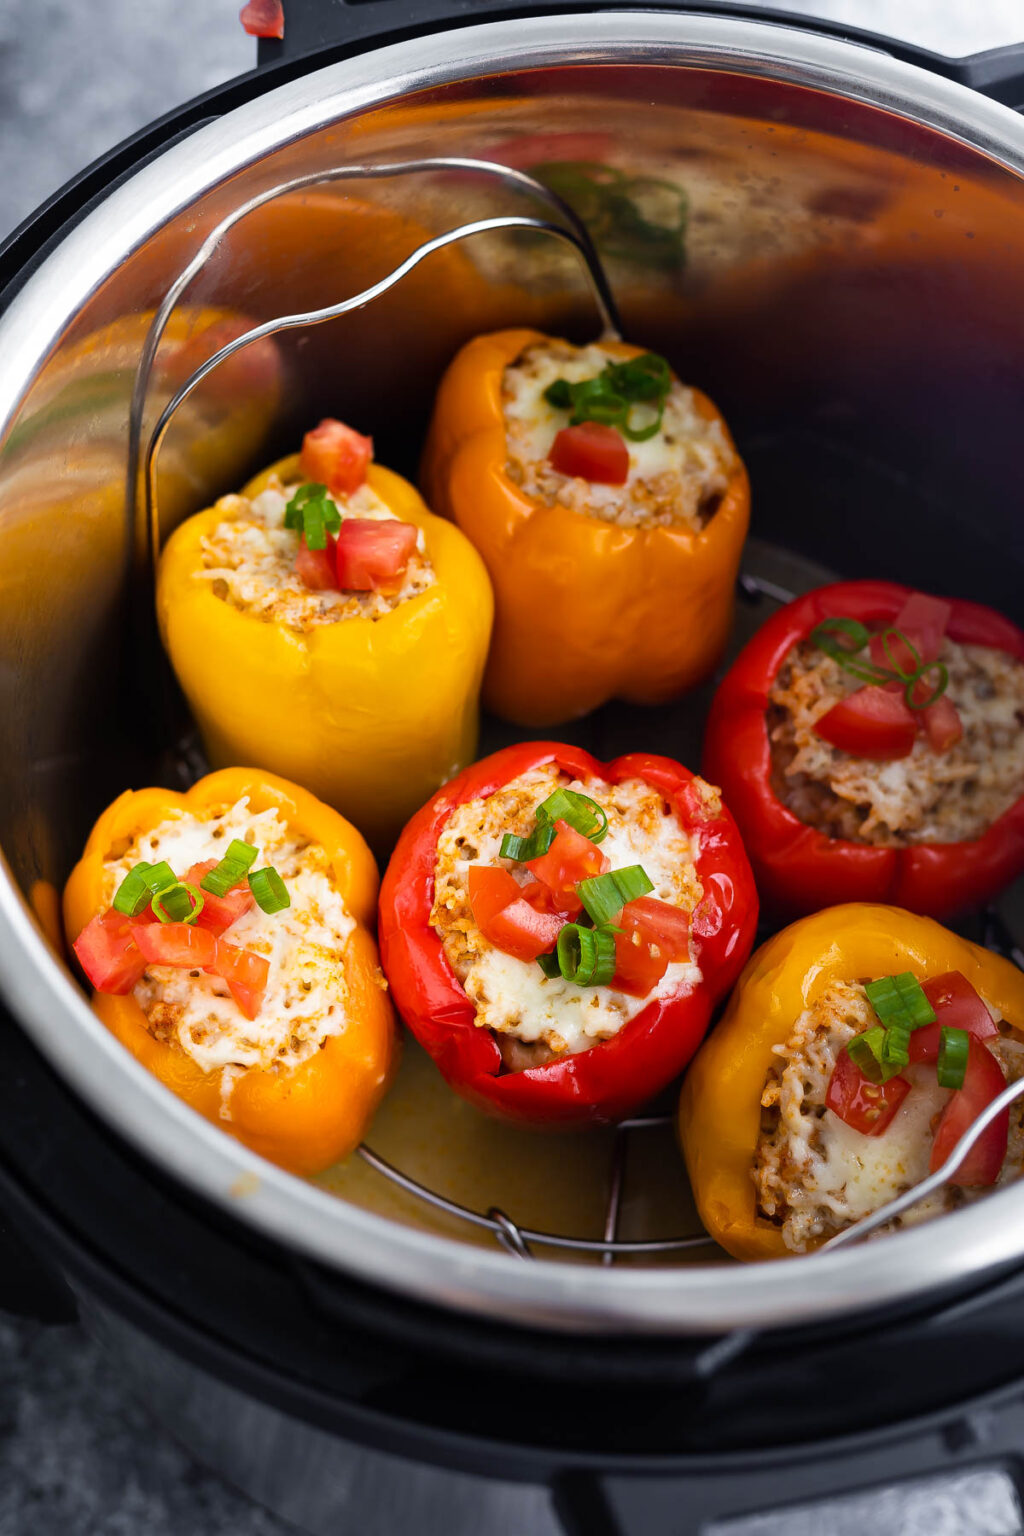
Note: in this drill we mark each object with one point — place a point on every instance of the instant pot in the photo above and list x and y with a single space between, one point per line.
829 238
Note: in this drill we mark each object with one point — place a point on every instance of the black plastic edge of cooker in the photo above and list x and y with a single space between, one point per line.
375 1366
314 29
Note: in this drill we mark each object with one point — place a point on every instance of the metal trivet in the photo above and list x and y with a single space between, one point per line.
512 1237
571 229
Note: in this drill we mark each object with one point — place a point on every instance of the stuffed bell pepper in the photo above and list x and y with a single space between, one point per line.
610 506
225 932
556 931
858 1047
326 626
870 742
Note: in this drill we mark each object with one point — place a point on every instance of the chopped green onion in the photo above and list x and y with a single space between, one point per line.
549 964
586 956
900 1001
178 903
866 1051
231 870
604 896
896 1046
954 1046
160 876
610 396
582 813
897 634
312 513
940 687
133 895
523 848
269 890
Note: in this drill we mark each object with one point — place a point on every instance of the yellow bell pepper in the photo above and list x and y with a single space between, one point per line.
720 1107
307 1118
371 715
585 610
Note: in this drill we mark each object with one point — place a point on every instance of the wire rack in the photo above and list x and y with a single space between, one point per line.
516 1239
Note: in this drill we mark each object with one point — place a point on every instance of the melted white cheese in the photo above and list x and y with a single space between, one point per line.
304 1001
853 1174
514 996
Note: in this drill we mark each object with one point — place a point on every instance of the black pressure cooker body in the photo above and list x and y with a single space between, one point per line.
217 1316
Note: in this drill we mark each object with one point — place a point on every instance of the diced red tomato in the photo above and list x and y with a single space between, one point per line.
924 619
957 1006
870 723
317 568
653 934
181 944
865 1106
108 953
371 553
570 859
336 456
506 919
245 973
540 897
263 18
592 451
942 723
983 1082
219 912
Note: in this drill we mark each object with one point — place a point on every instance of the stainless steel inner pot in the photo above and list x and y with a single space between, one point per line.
850 294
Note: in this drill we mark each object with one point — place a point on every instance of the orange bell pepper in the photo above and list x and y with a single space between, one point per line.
306 1118
720 1107
585 609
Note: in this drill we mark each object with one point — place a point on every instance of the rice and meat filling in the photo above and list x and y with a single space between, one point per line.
306 993
815 1175
537 1018
928 797
250 561
677 477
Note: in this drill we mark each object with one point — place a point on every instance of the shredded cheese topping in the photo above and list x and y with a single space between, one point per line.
549 1015
928 797
814 1174
305 999
678 476
250 560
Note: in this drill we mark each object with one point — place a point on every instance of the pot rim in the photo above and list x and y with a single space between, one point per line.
551 1294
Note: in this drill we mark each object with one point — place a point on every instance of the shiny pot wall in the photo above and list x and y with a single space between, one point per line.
846 286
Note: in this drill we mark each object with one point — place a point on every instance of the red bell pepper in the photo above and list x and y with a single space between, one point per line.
615 1076
799 869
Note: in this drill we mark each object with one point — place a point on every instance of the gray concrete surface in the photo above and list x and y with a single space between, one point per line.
78 1457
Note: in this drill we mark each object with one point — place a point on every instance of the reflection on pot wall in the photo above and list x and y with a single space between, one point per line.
846 285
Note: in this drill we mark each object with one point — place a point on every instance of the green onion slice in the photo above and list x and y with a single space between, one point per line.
178 903
900 1001
549 964
604 896
866 1051
886 637
532 847
940 687
582 813
231 870
954 1046
586 956
133 895
312 513
896 1046
269 890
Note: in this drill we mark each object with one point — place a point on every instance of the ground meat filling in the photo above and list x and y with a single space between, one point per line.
815 1175
306 994
928 797
676 478
250 560
535 1018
